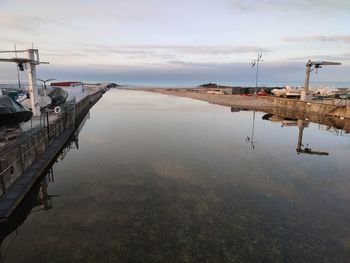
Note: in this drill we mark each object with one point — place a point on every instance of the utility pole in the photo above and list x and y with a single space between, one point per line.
44 83
257 62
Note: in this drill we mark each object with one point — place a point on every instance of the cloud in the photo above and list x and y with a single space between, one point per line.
173 49
21 23
181 73
288 6
318 38
340 57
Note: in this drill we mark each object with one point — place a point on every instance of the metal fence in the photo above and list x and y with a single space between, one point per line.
14 135
31 144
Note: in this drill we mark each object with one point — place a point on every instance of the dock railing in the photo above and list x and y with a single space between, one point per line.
19 157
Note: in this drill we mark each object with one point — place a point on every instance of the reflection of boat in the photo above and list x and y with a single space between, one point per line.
289 122
276 118
284 120
267 116
12 113
58 96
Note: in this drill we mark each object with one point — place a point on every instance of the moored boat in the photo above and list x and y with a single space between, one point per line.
12 112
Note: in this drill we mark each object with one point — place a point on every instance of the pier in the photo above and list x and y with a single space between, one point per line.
23 162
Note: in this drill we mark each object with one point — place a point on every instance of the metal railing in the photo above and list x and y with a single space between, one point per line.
49 138
71 113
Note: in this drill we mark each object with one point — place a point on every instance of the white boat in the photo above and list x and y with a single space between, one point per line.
326 91
293 91
287 92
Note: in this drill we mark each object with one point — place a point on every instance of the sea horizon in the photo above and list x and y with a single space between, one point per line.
196 83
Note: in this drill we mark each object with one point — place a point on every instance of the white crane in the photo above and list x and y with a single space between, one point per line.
306 95
29 62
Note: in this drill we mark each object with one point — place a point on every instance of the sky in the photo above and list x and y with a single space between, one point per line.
176 42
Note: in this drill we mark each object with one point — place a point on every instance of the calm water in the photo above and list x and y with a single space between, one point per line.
166 179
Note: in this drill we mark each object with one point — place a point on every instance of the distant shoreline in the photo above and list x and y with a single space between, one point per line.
236 101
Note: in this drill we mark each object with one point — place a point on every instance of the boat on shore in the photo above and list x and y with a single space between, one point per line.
12 112
289 92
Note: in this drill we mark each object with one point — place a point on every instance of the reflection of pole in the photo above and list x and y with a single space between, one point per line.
300 135
253 127
48 123
43 194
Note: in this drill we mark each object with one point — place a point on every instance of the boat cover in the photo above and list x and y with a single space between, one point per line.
11 112
58 96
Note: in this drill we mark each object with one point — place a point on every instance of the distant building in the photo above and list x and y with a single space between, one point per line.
216 91
66 84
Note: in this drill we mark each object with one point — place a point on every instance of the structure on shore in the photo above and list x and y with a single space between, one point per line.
26 152
28 62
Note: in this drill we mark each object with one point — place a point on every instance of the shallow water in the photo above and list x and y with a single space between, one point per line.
168 179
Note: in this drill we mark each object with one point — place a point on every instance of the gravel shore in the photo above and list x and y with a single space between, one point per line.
225 100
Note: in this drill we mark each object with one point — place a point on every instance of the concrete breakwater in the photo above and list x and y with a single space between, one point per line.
19 158
332 108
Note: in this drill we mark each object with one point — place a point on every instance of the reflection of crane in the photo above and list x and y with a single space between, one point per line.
300 146
306 95
29 63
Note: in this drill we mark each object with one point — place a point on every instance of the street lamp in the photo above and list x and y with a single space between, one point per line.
44 82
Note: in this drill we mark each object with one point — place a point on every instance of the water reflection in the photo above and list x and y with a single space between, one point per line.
250 139
300 147
38 199
167 179
292 121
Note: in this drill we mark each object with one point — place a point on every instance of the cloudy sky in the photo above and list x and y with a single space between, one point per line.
180 41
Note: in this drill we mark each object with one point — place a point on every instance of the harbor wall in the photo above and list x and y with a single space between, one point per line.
333 109
17 159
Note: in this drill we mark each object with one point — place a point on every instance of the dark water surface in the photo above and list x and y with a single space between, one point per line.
167 179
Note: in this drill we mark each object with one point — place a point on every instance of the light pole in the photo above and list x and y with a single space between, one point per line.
44 82
257 62
47 113
254 62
